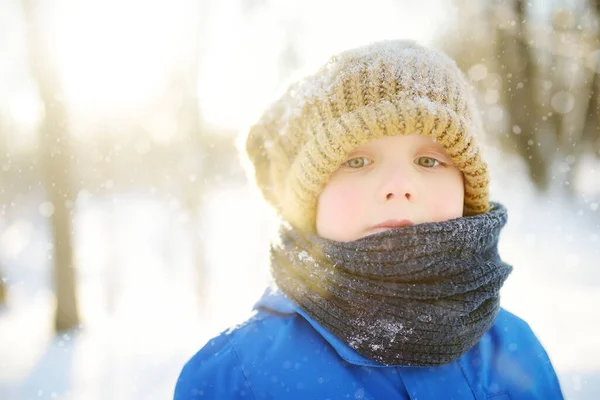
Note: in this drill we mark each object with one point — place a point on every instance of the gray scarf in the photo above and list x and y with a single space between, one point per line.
420 295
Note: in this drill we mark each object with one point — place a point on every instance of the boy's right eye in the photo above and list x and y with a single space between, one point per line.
358 162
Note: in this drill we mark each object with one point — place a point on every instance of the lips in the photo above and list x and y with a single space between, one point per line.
393 223
389 224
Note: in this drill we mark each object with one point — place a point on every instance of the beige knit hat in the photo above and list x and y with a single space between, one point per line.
384 89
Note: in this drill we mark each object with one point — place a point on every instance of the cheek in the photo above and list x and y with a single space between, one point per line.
446 200
337 202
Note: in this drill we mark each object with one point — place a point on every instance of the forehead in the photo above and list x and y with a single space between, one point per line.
400 143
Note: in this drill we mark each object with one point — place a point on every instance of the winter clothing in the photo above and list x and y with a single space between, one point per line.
383 89
419 295
282 353
409 313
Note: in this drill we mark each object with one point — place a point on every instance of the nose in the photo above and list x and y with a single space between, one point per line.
396 184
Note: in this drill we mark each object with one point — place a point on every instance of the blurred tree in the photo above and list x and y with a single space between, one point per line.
195 162
199 156
542 59
2 288
56 158
590 131
2 196
517 65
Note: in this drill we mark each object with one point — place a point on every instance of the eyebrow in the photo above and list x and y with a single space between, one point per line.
435 147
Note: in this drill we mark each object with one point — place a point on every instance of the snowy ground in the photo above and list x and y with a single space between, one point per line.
144 315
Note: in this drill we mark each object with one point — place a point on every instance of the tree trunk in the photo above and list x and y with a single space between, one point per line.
515 58
591 130
55 158
193 194
2 288
3 150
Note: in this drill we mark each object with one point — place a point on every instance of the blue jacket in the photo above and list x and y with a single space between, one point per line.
282 353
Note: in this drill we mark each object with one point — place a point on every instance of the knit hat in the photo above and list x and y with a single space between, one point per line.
383 89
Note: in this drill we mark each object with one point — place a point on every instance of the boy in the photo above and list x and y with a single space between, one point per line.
386 264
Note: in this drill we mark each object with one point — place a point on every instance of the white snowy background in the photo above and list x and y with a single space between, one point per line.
143 315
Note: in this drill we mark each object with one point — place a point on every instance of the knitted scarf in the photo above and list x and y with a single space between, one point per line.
419 295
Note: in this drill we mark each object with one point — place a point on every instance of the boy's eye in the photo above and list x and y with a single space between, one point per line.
427 162
358 162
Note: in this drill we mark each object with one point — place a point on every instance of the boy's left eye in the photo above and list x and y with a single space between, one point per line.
427 162
358 162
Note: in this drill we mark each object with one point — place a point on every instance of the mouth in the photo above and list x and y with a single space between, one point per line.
391 224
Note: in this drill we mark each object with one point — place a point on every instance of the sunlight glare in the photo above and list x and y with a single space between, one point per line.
114 55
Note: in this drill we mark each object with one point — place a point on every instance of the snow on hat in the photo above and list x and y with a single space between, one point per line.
383 89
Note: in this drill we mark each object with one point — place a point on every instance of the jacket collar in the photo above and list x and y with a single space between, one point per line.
274 300
417 380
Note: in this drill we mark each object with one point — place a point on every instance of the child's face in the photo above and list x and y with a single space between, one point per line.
393 178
